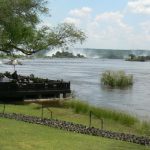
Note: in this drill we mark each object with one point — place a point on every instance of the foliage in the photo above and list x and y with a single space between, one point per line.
144 128
31 78
117 79
133 57
65 54
82 107
19 31
4 56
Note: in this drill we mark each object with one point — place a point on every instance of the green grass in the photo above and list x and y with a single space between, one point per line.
67 112
122 118
16 135
116 79
118 121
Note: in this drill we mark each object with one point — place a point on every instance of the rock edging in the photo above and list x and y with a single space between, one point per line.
78 128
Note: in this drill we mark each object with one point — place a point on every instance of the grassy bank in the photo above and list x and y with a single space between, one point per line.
23 136
78 112
122 118
129 123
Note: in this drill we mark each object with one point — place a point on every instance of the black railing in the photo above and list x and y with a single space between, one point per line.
34 86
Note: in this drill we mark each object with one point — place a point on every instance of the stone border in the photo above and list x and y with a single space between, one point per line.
78 128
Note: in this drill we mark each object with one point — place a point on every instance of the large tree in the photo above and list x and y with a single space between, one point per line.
19 29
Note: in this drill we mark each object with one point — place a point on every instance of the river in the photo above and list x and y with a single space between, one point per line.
85 75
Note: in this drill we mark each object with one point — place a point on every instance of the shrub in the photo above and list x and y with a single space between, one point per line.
117 79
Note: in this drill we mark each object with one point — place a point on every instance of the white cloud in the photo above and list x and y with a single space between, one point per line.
84 11
113 35
110 29
145 30
111 18
145 27
109 15
139 6
72 20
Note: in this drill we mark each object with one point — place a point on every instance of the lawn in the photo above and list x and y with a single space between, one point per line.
16 135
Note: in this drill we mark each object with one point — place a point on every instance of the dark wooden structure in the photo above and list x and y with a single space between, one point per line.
29 87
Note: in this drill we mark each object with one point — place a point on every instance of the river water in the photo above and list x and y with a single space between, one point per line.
85 75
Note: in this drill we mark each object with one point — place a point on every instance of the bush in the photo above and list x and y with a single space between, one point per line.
117 79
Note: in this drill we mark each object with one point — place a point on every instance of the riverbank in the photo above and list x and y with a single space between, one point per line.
78 112
72 114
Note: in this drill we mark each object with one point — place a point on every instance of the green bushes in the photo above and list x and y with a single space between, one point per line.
117 79
82 107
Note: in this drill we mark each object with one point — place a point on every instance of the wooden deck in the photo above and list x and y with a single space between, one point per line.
44 88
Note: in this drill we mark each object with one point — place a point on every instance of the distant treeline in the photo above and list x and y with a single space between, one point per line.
65 54
139 55
138 58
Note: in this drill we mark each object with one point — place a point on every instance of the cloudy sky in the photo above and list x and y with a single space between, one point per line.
115 24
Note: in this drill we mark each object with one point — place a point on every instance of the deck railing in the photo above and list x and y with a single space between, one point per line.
34 86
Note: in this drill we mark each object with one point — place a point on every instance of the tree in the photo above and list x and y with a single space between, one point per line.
19 30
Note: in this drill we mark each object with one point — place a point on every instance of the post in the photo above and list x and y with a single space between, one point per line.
42 112
4 109
64 95
102 123
51 114
90 119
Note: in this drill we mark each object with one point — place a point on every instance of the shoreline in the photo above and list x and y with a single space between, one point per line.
113 120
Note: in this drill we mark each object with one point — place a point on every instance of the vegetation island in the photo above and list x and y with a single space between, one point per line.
65 54
116 79
133 57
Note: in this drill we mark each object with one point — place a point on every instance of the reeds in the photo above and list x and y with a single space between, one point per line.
82 107
116 79
144 128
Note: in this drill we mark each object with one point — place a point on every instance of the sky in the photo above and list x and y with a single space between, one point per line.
108 24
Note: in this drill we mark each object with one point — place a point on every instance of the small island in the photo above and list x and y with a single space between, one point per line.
65 54
133 57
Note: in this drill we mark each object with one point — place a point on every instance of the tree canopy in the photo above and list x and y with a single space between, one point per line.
19 31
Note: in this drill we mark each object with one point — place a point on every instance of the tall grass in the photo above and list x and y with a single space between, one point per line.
117 79
144 128
82 107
